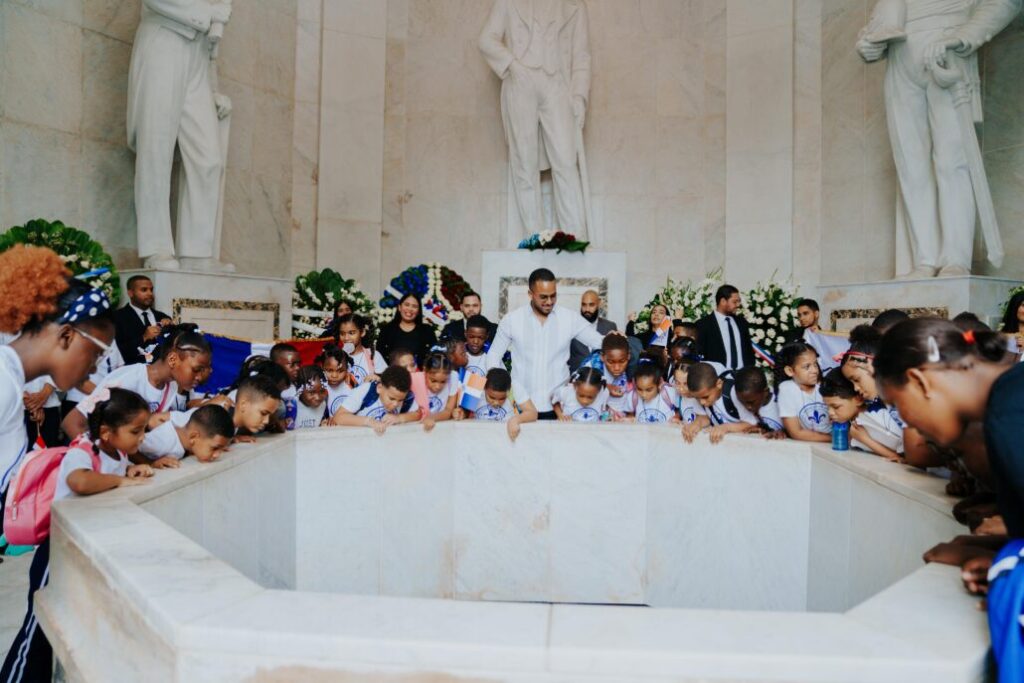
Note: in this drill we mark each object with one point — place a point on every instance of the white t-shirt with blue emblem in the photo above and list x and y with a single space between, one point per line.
307 417
136 378
437 402
565 396
620 404
808 406
490 413
884 425
687 407
656 411
336 397
366 363
477 365
374 411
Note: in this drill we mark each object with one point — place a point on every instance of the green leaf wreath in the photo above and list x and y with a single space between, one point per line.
81 253
315 296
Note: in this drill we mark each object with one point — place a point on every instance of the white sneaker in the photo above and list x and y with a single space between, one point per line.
207 265
162 262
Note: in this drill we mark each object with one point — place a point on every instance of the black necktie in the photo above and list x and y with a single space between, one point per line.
732 343
146 319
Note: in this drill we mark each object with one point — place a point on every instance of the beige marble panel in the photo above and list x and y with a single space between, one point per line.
104 87
303 238
275 53
759 91
356 17
807 142
108 202
309 10
69 11
117 19
273 131
243 123
238 50
42 82
351 165
1006 176
307 62
352 248
42 171
352 74
713 17
627 82
306 143
747 16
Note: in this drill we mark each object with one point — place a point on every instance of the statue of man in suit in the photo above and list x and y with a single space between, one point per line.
541 52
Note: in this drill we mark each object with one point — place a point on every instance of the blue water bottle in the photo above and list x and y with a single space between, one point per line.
840 436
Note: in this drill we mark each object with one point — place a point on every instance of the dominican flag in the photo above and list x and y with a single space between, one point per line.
829 346
229 353
472 393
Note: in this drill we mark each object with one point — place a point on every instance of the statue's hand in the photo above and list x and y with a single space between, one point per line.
935 54
870 52
223 103
579 110
516 71
220 12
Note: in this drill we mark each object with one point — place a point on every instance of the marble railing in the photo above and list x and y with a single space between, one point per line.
336 553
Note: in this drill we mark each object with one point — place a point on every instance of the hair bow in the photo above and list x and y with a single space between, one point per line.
98 396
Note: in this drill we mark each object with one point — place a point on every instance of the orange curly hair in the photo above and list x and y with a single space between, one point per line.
31 281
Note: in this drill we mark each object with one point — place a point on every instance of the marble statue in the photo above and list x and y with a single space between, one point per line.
933 100
172 102
541 52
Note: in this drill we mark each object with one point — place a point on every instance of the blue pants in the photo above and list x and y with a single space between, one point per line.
30 659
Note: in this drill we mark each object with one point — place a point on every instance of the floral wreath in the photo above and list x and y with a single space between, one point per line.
554 239
440 288
82 255
770 310
315 296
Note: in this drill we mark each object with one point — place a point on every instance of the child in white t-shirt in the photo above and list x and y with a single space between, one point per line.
498 406
442 389
687 408
311 404
651 405
367 365
615 358
336 364
731 405
477 331
873 428
204 432
584 399
380 404
804 414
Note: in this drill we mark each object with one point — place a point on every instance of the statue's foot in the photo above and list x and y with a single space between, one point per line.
954 271
919 273
207 265
162 262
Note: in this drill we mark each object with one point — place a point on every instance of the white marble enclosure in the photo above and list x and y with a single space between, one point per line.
183 579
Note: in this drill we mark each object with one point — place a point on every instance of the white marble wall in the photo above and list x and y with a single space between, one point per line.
63 151
858 176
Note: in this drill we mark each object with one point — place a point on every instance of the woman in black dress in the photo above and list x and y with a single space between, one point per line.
407 331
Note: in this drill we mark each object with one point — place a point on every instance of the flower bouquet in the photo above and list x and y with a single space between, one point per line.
315 296
439 287
686 301
557 240
84 257
770 309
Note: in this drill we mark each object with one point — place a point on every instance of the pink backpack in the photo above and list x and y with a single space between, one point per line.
27 513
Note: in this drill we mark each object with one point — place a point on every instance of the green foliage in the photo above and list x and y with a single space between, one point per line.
316 294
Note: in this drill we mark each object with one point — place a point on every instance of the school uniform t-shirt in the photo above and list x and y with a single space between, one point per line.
375 410
809 407
687 407
79 459
13 438
620 404
136 378
656 411
883 424
437 402
163 441
502 413
477 365
336 396
1004 416
565 396
111 361
364 364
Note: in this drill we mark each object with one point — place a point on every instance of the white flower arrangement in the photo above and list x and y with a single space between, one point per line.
772 313
686 301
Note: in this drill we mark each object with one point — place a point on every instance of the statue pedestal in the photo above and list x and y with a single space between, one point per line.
246 306
846 305
505 274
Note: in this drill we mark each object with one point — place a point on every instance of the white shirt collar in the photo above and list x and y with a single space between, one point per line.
140 311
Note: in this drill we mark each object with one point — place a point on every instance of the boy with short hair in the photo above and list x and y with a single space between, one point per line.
499 407
477 330
256 403
204 432
380 404
615 357
872 428
725 412
287 356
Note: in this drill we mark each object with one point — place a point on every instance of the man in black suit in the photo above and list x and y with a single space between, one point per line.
808 315
590 309
456 329
138 323
723 336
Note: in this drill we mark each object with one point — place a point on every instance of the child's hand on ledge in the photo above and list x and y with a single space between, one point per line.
165 463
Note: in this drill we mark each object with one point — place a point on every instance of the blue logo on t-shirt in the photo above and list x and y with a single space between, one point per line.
586 415
489 412
651 416
359 373
435 404
376 414
336 403
688 414
475 370
771 424
814 416
896 418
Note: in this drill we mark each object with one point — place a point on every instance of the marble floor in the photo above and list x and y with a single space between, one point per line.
13 585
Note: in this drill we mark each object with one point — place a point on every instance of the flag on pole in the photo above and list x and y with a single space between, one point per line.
828 345
472 393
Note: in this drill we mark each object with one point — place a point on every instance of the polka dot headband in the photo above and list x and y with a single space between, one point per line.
86 307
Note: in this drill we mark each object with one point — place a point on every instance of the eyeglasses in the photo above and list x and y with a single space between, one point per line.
105 348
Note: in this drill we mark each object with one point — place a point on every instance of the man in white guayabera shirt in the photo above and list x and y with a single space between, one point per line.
539 336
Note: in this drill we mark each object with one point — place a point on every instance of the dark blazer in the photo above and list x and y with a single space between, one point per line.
578 352
711 345
129 329
456 329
